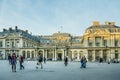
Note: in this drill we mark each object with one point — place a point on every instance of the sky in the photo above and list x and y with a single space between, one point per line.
45 17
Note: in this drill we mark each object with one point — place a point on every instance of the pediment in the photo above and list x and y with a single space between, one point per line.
101 32
12 35
98 32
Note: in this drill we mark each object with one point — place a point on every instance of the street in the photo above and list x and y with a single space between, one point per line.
57 71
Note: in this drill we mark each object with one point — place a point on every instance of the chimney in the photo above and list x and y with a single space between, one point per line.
96 23
16 27
106 23
110 23
10 29
26 31
4 30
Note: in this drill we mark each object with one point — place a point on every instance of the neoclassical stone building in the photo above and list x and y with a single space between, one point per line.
102 41
99 40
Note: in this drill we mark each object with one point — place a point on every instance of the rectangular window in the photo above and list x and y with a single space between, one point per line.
12 44
116 43
105 43
90 41
116 55
90 44
97 44
23 44
97 41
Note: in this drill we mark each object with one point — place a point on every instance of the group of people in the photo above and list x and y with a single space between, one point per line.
83 61
13 61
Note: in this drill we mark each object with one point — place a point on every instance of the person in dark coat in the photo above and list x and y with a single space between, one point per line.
9 58
44 60
101 60
83 62
109 60
21 60
13 62
40 59
66 61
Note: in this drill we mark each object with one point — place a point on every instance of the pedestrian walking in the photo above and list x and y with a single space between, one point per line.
83 62
101 60
9 58
21 60
44 60
13 62
40 59
66 61
109 60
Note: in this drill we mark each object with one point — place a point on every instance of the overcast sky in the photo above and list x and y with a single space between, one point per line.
45 17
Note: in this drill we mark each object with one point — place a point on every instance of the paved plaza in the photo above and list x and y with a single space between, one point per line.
57 71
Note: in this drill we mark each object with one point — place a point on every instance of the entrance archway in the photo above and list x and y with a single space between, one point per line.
90 55
40 52
97 55
23 53
28 54
105 55
50 55
59 56
75 55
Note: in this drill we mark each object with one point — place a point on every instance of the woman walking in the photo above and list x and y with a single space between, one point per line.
13 62
21 60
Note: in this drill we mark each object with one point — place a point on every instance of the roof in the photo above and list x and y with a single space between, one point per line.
21 32
103 26
61 34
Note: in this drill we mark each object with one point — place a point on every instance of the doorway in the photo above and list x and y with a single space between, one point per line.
59 57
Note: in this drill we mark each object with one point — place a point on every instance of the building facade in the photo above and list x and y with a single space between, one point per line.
98 41
102 41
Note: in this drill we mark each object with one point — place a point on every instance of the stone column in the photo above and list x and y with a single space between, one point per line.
53 58
112 54
101 44
108 55
101 53
43 53
118 55
63 54
46 54
36 53
72 55
26 54
30 55
94 43
78 58
93 56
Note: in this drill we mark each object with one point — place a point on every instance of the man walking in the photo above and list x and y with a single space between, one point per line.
40 59
21 60
83 62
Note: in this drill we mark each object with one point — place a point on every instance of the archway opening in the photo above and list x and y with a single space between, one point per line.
59 57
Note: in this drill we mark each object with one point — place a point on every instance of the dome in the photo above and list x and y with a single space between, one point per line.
109 26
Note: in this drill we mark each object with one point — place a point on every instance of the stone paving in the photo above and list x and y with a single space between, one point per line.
57 71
